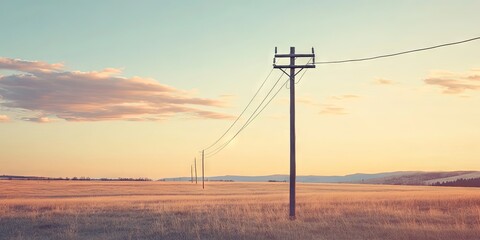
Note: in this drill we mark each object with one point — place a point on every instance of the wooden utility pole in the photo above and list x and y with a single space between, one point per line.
203 169
196 180
191 173
293 56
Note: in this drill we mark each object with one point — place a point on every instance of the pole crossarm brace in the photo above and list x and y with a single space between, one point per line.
294 56
294 66
310 55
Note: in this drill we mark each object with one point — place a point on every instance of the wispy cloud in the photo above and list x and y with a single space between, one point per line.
328 108
345 96
50 91
455 83
305 100
333 110
38 119
382 81
4 118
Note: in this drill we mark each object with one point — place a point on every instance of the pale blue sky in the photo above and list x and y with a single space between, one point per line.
226 47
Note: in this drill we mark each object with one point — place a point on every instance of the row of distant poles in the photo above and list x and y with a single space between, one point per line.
194 166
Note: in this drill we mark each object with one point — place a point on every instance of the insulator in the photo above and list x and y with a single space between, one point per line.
313 52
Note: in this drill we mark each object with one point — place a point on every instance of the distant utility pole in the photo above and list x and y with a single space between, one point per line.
191 173
203 169
195 160
293 56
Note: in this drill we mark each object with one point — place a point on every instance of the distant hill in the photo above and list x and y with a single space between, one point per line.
423 178
393 178
358 177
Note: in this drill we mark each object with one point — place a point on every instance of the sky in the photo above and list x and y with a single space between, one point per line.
139 88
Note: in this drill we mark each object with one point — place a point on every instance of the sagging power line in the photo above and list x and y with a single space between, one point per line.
398 53
239 116
254 115
258 113
249 120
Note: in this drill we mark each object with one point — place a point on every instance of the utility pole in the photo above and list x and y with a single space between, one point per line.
203 169
191 173
293 56
196 182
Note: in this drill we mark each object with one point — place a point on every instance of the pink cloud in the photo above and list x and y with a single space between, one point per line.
28 66
48 90
38 119
455 83
4 118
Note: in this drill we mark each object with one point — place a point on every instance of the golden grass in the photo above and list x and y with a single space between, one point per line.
159 210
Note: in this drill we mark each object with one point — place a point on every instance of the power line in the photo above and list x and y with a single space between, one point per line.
261 110
251 100
399 53
250 119
301 76
255 114
247 122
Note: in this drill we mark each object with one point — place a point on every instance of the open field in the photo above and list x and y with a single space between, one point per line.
163 210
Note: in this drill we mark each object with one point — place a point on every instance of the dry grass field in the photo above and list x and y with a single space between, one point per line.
162 210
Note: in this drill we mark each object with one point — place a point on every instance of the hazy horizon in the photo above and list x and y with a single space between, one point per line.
233 175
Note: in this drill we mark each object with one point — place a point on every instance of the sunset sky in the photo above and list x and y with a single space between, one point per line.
138 88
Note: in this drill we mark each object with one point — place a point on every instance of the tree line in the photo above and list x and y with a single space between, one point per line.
6 177
461 182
